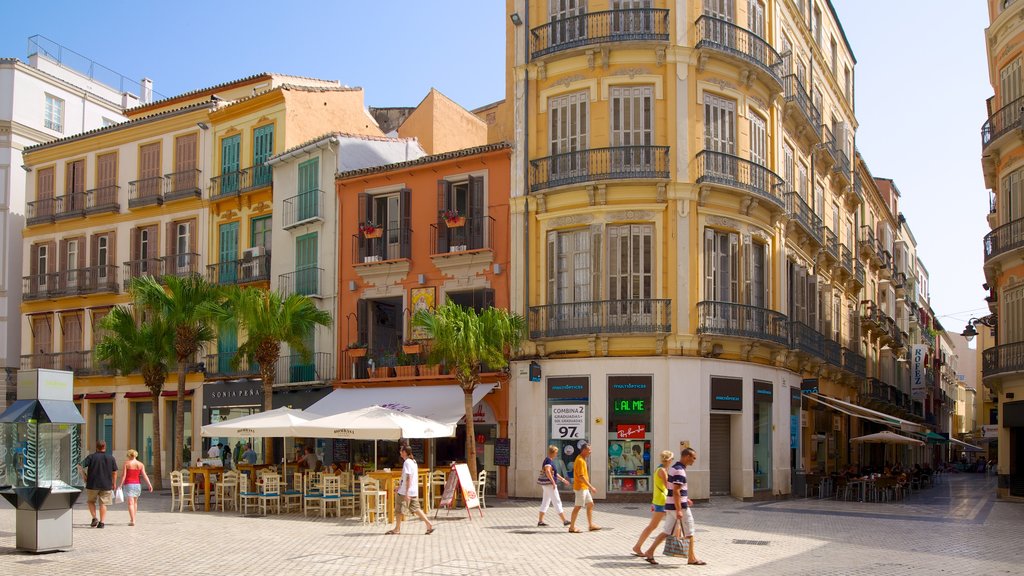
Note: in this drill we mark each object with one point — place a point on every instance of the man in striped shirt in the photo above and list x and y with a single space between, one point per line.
677 507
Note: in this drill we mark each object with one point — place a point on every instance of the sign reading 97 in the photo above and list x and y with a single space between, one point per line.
568 421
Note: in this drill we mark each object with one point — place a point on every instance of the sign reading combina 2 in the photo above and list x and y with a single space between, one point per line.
568 421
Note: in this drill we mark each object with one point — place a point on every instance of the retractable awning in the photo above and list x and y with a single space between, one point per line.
443 404
966 446
867 413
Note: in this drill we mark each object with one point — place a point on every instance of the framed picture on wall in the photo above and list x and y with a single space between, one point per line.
420 299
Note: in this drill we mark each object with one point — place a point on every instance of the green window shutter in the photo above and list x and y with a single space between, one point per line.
262 150
229 159
227 273
309 190
306 271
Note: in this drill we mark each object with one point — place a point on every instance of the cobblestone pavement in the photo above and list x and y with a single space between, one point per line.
957 527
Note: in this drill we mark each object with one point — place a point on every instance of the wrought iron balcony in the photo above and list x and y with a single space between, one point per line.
628 25
806 339
388 243
867 244
145 267
1009 236
181 265
797 98
828 146
831 244
146 192
305 281
739 43
75 282
224 366
240 181
899 280
858 185
183 184
859 275
743 321
70 205
832 352
854 363
244 271
737 173
1004 359
471 234
598 164
40 211
40 286
103 199
1001 122
842 166
802 214
846 258
295 369
304 208
82 363
635 316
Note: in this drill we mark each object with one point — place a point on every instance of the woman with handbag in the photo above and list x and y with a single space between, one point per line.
657 501
548 481
678 526
134 472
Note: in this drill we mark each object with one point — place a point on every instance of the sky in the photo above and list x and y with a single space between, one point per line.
921 83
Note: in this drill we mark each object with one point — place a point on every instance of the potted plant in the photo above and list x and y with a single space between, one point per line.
357 350
411 347
404 365
453 219
370 230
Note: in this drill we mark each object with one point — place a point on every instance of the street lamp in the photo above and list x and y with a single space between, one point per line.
970 332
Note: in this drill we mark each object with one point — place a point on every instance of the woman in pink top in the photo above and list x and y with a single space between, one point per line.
134 471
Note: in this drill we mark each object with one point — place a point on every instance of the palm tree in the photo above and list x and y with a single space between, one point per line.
268 320
465 341
187 305
134 342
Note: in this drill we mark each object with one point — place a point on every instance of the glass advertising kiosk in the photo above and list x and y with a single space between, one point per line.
40 447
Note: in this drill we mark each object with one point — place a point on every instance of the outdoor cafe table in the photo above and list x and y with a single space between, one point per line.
251 469
385 479
205 471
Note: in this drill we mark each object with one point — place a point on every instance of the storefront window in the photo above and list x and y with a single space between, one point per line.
629 428
142 420
103 424
763 397
168 437
568 410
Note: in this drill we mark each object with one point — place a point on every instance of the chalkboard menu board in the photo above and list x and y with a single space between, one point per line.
502 452
418 453
342 451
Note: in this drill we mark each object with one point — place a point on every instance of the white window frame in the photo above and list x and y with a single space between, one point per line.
42 258
53 113
102 253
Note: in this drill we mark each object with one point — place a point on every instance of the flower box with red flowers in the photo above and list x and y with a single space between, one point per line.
370 230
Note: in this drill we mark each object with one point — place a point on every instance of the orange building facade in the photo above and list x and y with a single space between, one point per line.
415 235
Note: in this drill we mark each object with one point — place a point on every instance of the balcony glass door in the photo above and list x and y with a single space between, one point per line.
720 30
570 266
720 137
632 132
758 152
568 133
721 276
630 274
632 17
227 347
568 21
227 274
309 183
306 264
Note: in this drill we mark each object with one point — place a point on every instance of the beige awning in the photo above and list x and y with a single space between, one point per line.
867 413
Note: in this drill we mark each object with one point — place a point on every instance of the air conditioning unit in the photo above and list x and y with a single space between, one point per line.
252 266
253 252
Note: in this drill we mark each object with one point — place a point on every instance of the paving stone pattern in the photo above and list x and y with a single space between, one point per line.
955 528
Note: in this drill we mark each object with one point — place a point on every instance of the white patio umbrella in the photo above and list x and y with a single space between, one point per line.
887 438
277 423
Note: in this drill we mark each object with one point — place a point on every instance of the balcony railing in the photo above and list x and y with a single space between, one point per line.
303 208
393 243
70 205
239 181
82 363
828 143
244 271
831 243
183 184
735 172
1003 359
306 281
601 317
79 281
181 265
596 164
220 366
145 267
103 199
803 215
294 369
146 192
741 320
629 25
806 339
473 234
854 363
899 280
1009 236
726 37
797 94
832 352
39 286
1002 121
859 274
40 211
866 242
842 165
858 185
846 258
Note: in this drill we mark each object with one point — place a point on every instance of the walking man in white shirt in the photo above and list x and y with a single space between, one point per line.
407 499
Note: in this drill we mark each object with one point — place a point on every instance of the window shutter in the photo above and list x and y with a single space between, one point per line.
811 300
552 268
185 153
747 257
134 252
363 321
172 246
476 212
405 222
710 260
191 236
734 266
106 170
64 256
33 265
44 183
596 256
444 196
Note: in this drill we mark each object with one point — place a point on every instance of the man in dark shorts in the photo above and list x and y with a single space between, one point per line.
100 472
407 502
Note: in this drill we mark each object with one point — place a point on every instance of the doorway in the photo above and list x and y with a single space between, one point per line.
720 458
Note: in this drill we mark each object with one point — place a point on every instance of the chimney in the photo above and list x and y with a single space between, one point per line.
147 91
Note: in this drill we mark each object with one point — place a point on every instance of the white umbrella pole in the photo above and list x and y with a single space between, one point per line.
374 454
